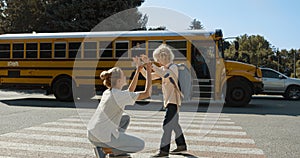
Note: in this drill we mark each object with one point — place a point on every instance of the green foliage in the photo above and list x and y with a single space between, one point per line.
298 64
68 15
157 28
254 47
20 15
261 54
196 25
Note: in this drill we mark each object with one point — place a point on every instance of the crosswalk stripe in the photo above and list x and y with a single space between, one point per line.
161 117
47 137
136 125
162 113
211 135
198 138
143 155
218 149
189 124
140 126
83 131
227 149
45 148
65 124
63 130
157 120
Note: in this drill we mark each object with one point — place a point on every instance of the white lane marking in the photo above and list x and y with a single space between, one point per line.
46 148
216 149
161 117
46 137
158 120
62 130
65 124
197 138
185 125
138 126
81 131
135 124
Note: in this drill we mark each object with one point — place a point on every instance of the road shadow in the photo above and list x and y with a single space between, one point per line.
187 155
51 103
258 105
263 105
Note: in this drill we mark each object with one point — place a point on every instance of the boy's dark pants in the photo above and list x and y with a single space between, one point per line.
171 123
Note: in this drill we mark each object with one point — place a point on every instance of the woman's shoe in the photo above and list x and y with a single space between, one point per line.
125 155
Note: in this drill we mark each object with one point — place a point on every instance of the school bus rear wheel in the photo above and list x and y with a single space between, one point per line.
62 89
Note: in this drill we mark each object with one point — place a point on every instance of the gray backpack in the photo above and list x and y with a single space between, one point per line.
184 81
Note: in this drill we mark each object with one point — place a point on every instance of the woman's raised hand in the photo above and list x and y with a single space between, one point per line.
137 61
145 58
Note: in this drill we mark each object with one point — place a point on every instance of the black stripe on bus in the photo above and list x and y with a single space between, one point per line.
26 76
63 68
20 86
88 77
77 77
75 60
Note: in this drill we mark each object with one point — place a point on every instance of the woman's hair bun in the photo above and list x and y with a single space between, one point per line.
105 75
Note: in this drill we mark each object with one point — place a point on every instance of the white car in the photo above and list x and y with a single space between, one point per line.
278 83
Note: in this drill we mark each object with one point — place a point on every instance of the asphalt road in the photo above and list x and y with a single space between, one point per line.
270 121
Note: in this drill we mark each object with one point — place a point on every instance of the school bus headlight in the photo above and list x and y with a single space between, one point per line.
258 79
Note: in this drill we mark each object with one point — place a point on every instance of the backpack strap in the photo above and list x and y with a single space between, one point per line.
173 81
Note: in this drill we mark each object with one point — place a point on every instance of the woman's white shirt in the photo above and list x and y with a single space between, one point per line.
105 121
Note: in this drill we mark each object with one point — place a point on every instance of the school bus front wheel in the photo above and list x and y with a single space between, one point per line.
238 93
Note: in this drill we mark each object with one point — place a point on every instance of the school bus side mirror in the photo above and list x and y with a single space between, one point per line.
236 45
218 33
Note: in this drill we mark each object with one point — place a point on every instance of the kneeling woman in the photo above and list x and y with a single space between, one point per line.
108 124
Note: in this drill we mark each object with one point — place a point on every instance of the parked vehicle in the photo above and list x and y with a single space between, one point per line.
278 83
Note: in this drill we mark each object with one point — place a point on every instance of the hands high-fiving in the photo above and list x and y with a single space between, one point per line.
145 58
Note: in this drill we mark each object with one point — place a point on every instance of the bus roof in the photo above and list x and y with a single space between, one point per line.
104 34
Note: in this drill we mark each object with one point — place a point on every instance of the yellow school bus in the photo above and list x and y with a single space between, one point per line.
68 64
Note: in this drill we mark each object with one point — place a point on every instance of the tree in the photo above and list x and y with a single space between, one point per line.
157 28
20 16
255 46
67 15
196 25
123 21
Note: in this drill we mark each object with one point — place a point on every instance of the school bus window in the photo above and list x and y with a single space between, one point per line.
18 50
152 45
31 50
90 49
207 48
178 48
60 50
45 50
74 50
138 48
122 49
4 50
106 49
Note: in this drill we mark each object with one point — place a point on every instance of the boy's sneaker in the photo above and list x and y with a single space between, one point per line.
161 154
179 149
